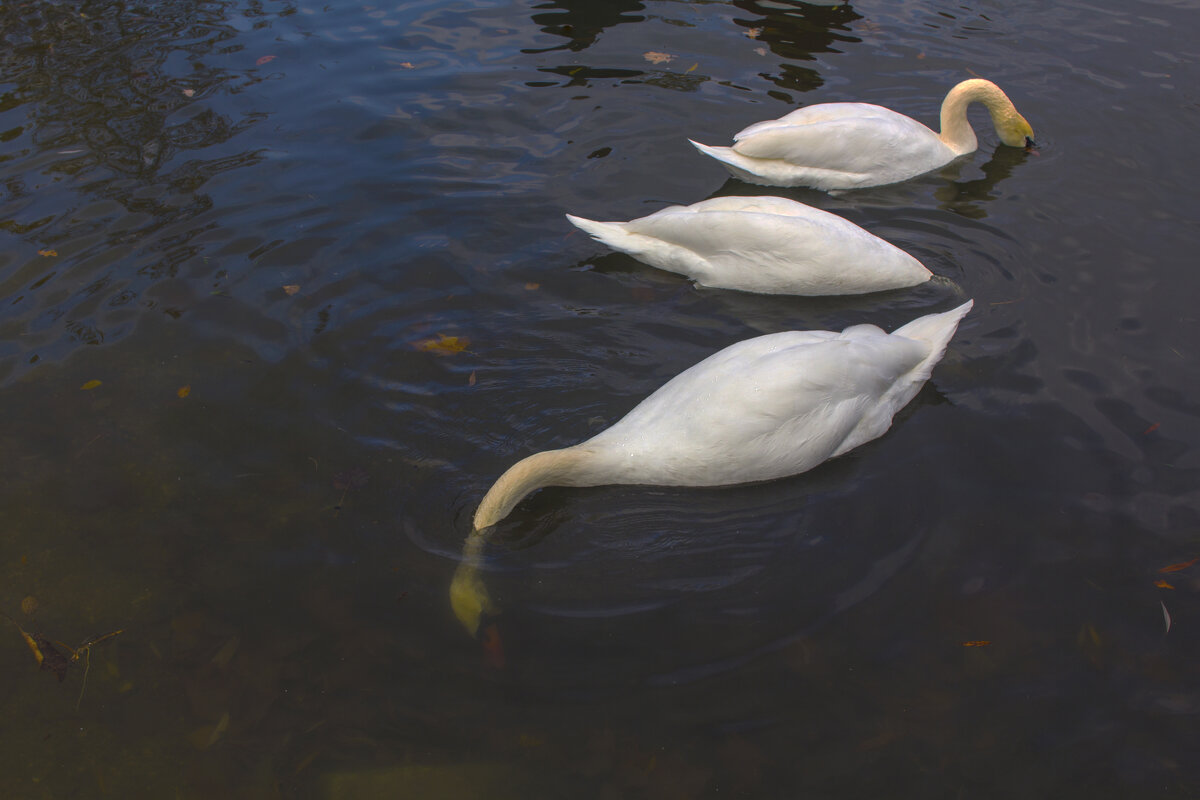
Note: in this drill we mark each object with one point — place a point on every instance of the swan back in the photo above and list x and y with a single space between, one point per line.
770 245
772 406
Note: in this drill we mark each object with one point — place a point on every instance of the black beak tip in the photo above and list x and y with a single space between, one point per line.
1030 142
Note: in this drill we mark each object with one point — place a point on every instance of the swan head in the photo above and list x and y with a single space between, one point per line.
1014 130
469 597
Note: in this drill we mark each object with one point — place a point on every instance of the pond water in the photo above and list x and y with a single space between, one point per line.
284 287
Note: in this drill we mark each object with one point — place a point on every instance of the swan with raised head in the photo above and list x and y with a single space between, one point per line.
769 245
764 408
854 145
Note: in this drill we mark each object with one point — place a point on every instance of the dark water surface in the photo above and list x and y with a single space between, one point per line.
314 255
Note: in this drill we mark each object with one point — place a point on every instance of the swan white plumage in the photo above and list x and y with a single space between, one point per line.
770 245
854 145
760 409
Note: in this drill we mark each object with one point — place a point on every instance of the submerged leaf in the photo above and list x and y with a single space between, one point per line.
443 345
29 605
1163 584
977 643
92 384
1182 566
183 391
493 649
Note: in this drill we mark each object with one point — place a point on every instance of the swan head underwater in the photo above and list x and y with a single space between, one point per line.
761 409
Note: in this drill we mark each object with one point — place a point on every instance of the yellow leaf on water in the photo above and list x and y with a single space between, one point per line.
977 643
291 288
657 58
443 345
531 286
87 387
692 67
47 253
184 391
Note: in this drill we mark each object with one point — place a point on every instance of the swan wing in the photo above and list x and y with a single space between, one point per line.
768 407
771 245
844 143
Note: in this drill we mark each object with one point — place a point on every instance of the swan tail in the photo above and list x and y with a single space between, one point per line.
935 330
612 234
725 155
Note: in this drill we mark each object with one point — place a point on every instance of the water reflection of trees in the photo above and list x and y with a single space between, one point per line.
796 31
111 97
582 21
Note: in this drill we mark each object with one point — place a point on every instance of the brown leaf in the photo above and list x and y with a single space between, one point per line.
443 345
47 253
47 656
471 379
977 643
1178 567
291 288
493 649
264 60
1163 584
183 391
529 287
657 58
1150 430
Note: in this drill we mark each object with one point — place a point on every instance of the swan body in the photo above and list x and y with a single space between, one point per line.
835 146
763 408
770 245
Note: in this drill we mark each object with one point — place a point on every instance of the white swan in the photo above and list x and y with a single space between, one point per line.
763 408
768 244
853 145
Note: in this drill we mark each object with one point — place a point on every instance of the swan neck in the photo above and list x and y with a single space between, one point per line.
549 468
956 132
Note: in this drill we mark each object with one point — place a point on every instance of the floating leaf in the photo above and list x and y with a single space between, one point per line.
977 643
29 605
47 253
291 288
1163 584
754 33
443 345
264 60
1178 567
657 58
87 387
692 68
189 92
183 391
471 379
529 287
407 65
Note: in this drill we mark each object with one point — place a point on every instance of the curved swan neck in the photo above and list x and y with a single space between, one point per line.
956 130
550 468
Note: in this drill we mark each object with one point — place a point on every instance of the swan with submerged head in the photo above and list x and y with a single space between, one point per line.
835 146
760 409
770 245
